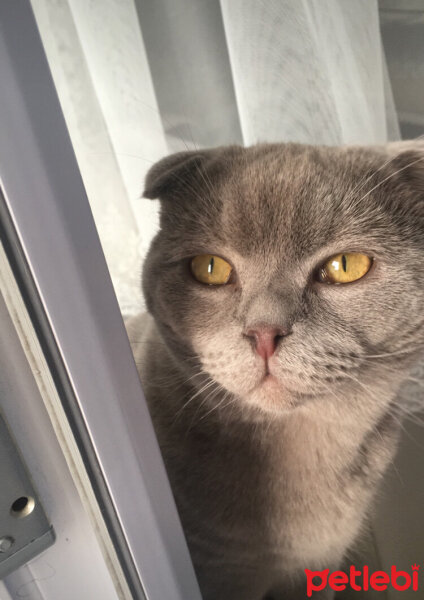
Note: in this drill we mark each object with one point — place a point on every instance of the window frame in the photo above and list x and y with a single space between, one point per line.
51 241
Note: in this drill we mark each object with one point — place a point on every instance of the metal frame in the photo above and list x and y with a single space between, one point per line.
25 529
52 243
82 563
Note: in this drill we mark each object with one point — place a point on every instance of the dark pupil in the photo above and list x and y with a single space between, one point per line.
210 265
344 263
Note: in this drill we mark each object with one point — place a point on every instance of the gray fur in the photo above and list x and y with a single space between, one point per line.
270 480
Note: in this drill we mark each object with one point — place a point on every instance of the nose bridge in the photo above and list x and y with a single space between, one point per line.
269 307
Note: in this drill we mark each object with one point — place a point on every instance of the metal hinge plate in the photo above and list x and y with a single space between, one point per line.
24 528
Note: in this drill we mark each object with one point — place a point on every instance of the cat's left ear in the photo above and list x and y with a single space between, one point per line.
187 171
172 173
396 148
405 160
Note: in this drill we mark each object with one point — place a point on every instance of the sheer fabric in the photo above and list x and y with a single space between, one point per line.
138 79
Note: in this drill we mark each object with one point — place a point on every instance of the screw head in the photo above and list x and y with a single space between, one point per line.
6 542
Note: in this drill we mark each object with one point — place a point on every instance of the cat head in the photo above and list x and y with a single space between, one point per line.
287 272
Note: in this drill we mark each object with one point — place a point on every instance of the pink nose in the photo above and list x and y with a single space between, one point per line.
266 339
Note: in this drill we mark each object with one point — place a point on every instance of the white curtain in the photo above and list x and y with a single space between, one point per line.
138 79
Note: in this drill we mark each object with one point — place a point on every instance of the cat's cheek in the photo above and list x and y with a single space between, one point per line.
229 361
234 377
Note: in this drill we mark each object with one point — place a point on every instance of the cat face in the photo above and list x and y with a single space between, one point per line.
274 332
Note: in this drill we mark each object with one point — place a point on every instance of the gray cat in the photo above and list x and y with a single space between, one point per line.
285 290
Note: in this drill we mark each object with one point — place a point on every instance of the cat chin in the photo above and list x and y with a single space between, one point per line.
271 397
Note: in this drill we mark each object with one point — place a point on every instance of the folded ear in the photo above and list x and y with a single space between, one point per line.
174 172
187 171
170 173
406 162
396 148
402 161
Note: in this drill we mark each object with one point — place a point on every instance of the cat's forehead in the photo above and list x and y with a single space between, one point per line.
290 201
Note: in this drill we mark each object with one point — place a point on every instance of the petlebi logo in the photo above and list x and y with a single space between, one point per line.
359 581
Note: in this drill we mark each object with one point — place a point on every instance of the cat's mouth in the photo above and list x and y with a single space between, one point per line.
269 388
273 395
269 379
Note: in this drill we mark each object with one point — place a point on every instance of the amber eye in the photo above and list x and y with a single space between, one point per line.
211 269
344 268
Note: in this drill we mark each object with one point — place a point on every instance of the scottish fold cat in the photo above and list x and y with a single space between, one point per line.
285 291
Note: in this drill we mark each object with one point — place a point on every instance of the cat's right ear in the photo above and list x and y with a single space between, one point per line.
172 173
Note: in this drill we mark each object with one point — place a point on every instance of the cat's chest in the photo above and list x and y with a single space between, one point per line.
284 498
